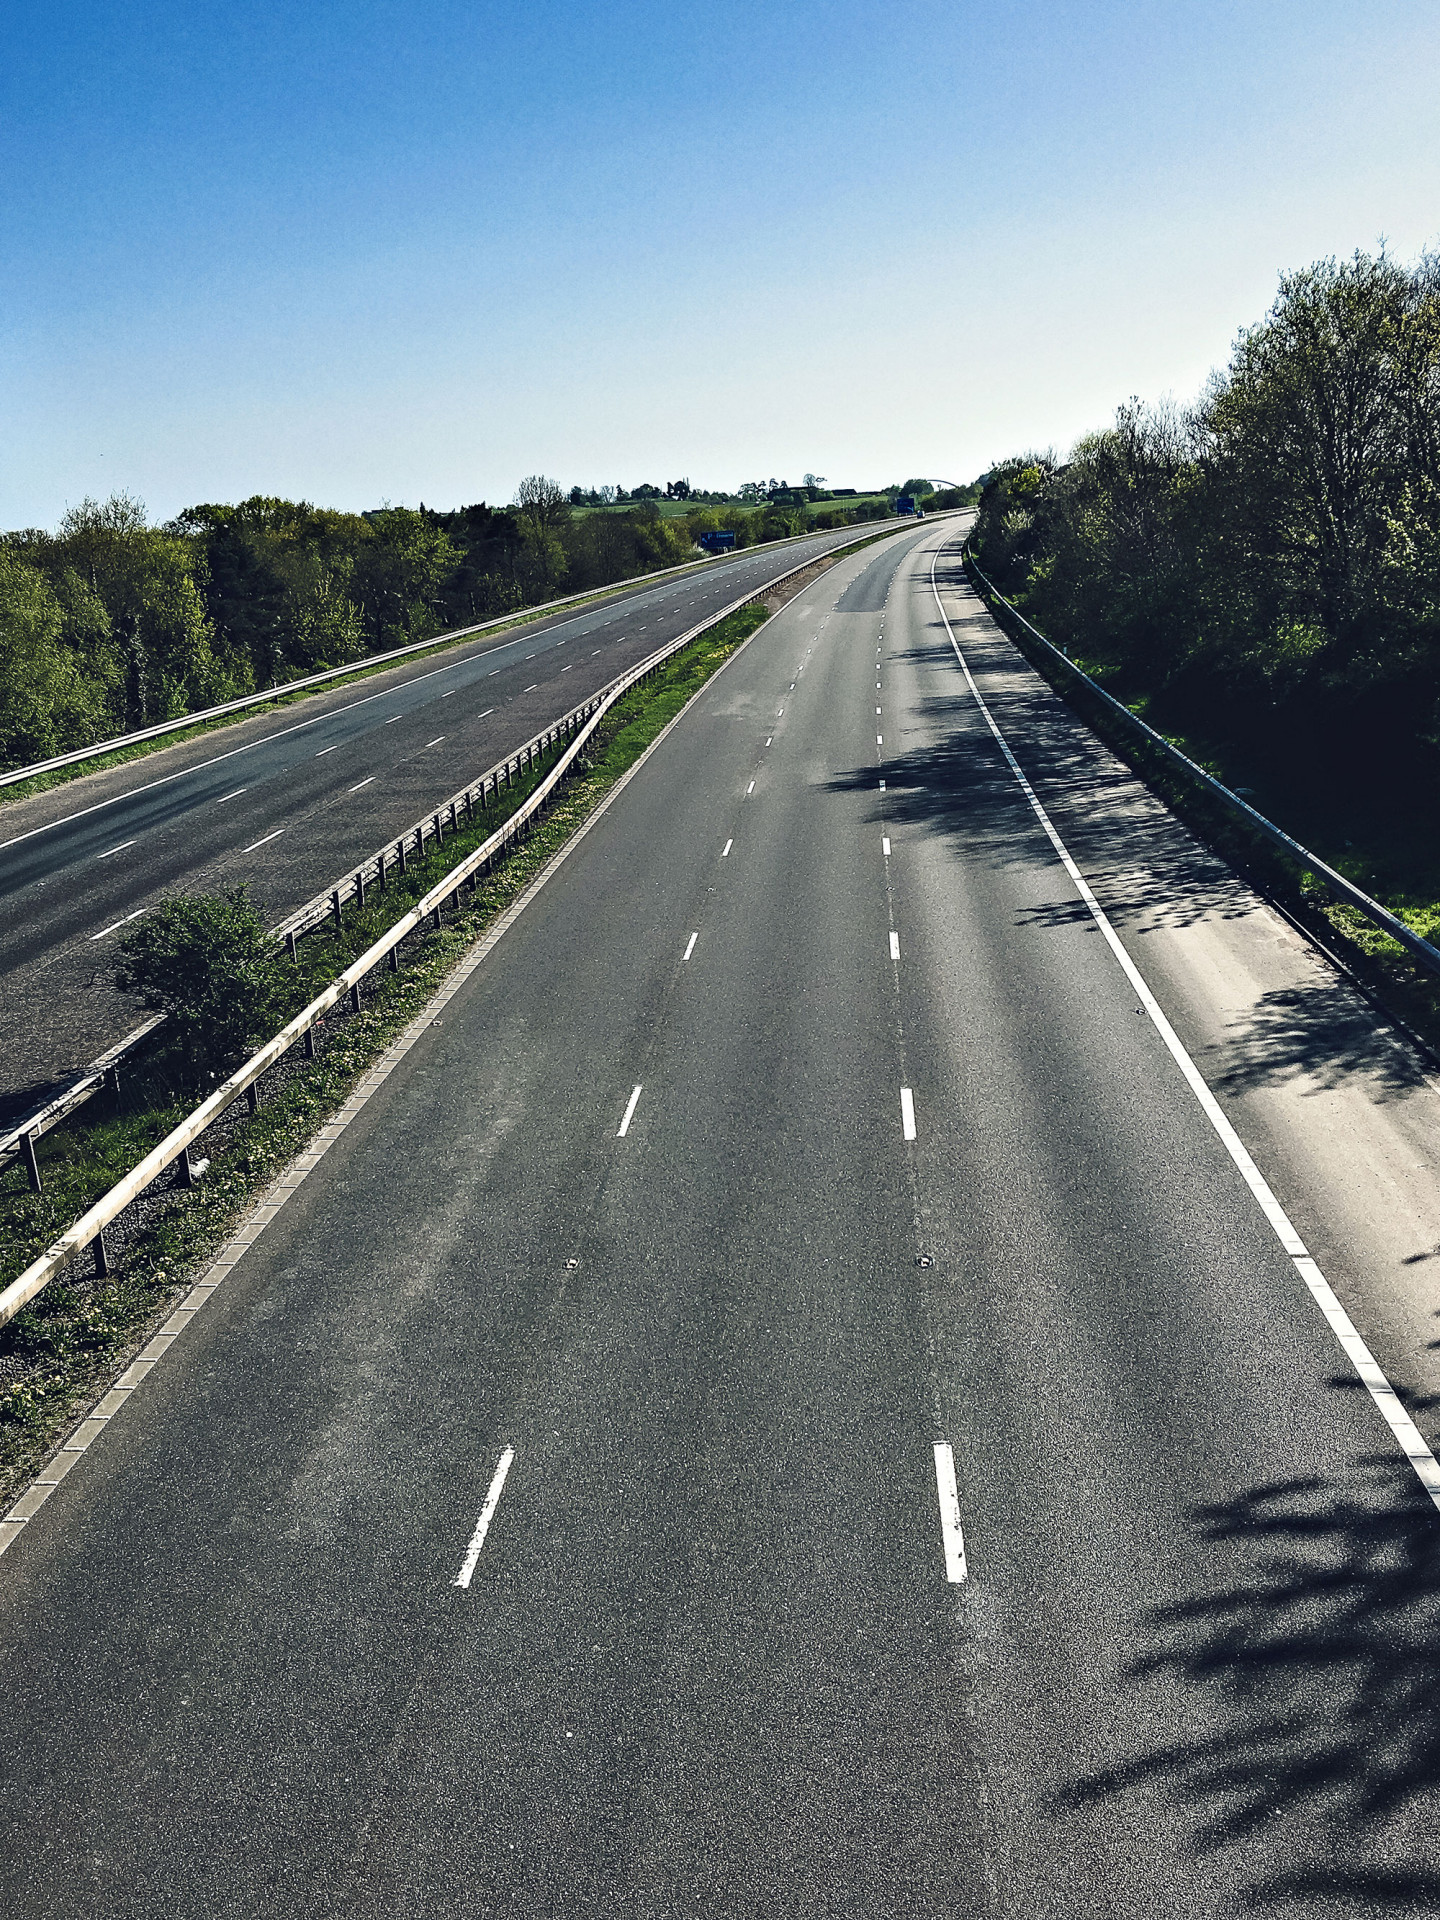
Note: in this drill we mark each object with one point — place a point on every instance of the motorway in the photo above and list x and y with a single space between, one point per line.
551 1512
288 800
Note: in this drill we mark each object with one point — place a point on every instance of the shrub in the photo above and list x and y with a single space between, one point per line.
206 962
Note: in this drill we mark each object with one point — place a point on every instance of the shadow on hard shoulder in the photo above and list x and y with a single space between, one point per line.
1323 1687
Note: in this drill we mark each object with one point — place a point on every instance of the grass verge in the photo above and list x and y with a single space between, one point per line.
1379 963
75 1336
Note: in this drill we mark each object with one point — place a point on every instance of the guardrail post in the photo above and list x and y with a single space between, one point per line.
393 958
309 1043
32 1165
439 831
355 998
291 948
335 904
112 1080
402 856
252 1098
360 887
454 819
187 1172
435 920
102 1259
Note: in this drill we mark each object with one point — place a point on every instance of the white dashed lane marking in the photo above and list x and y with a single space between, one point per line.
629 1114
487 1514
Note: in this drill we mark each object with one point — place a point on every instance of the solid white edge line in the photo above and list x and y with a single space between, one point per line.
690 947
234 794
120 849
1407 1435
629 1114
487 1514
907 1113
949 1495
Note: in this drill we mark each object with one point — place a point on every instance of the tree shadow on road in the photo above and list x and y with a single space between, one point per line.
1323 1677
1148 871
1323 1031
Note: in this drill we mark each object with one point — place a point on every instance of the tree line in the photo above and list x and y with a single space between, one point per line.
1261 567
109 624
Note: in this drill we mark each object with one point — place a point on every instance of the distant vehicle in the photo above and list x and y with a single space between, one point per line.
906 504
720 540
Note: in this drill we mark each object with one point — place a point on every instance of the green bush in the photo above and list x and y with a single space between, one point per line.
207 963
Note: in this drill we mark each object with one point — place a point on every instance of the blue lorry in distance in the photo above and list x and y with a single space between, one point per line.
719 541
906 504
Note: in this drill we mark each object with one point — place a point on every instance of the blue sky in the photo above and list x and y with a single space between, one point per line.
406 252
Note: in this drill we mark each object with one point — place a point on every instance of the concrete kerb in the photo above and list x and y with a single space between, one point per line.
270 1202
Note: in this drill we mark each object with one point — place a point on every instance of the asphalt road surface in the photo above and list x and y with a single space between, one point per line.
546 1517
288 800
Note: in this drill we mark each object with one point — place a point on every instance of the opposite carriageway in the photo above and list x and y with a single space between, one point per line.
285 803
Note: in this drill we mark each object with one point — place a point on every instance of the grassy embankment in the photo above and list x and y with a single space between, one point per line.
79 1332
1374 826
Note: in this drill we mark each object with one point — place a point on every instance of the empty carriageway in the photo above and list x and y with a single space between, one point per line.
776 1405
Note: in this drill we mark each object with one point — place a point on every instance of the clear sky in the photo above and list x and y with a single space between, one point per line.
413 251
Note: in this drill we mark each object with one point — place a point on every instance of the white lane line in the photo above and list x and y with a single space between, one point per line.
629 1114
117 923
749 790
690 947
493 671
531 688
879 739
877 709
451 694
564 669
236 793
726 848
389 723
436 741
780 713
362 783
1407 1434
771 737
120 849
487 1514
885 845
894 944
945 1487
486 715
882 786
324 750
265 842
907 1112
